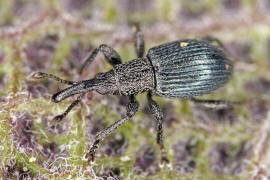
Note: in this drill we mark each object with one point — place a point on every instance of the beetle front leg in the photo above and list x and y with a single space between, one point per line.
111 56
157 113
57 119
139 41
132 108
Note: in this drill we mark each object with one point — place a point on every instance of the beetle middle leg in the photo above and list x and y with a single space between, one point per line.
157 113
111 56
132 108
139 41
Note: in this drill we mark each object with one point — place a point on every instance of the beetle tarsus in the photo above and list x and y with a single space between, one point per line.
164 160
57 119
91 155
158 115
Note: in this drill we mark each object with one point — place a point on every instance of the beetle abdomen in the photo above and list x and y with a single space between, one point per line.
188 68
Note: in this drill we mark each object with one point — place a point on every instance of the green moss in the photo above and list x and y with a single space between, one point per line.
6 13
165 10
74 140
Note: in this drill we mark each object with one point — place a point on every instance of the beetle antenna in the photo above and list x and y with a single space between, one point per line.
40 75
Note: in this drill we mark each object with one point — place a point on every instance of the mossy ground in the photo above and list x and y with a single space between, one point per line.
54 36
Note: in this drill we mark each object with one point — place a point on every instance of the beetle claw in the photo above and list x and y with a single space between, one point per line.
91 154
164 160
56 120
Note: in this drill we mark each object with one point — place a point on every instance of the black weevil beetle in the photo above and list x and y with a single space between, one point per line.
179 69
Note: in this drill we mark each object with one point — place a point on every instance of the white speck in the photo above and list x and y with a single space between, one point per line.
53 169
161 166
32 159
169 165
21 150
25 169
125 158
2 148
38 120
16 173
92 163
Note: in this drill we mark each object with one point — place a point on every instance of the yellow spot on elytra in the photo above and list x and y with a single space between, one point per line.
183 44
226 66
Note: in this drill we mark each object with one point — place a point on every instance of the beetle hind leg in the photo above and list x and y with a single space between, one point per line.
157 113
215 104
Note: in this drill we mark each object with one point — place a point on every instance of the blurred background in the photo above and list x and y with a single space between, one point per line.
202 143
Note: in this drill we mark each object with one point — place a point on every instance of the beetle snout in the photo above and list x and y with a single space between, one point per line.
82 87
70 91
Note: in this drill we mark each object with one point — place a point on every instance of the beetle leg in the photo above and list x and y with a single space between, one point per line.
111 56
132 108
212 39
157 113
57 119
139 41
40 75
215 104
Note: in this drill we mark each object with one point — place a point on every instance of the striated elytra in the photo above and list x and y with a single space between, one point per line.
188 68
180 69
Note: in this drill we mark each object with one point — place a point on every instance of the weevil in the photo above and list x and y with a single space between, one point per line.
180 69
